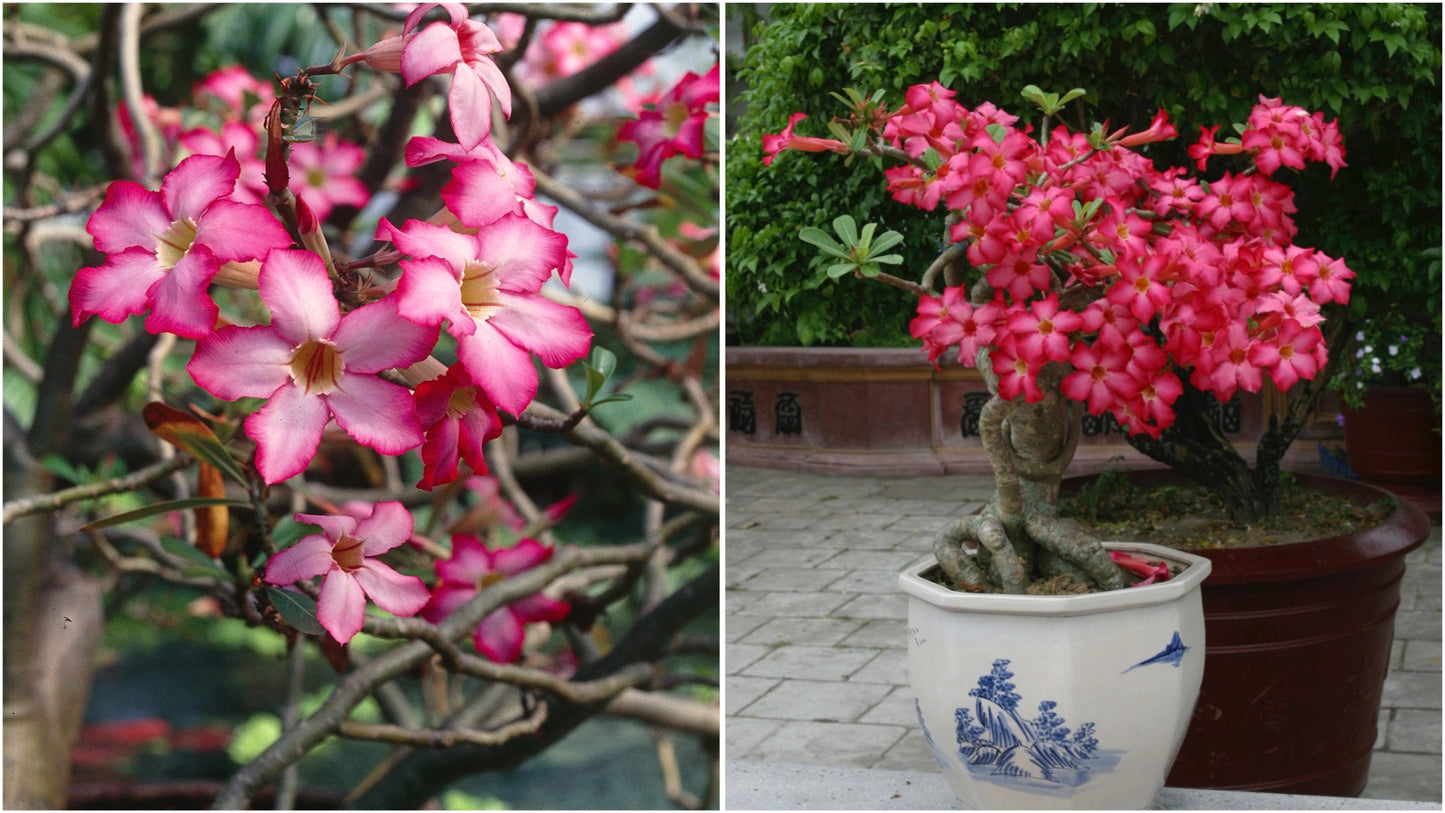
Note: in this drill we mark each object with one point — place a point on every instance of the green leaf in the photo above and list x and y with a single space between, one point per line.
599 367
890 259
820 238
839 270
847 229
886 240
866 239
204 565
162 508
298 609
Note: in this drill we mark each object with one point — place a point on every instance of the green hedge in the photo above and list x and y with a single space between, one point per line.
1372 66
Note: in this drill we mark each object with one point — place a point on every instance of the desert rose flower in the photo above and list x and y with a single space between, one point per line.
325 173
674 127
312 364
473 568
344 554
458 420
164 248
487 288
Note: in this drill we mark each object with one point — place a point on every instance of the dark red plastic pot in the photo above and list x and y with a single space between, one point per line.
1394 437
1297 641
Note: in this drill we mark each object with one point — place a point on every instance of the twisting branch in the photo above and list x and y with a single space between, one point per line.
115 485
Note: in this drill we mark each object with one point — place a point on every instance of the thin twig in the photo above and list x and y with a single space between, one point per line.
115 485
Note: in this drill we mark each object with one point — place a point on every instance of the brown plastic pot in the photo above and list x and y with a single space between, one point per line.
1394 437
1297 641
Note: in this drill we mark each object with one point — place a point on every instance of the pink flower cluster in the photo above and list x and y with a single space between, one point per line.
1129 275
478 267
674 125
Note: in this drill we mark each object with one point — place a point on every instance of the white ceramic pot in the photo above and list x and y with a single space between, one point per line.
1057 702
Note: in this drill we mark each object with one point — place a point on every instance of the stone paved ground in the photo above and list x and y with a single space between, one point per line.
815 626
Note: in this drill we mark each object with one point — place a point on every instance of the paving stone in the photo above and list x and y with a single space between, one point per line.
1412 731
739 656
741 690
856 540
895 709
854 522
738 625
889 633
910 753
850 744
920 523
817 701
786 603
738 576
891 561
798 579
780 521
808 662
743 734
889 666
1418 624
1421 656
810 632
1404 776
1411 690
776 556
875 606
788 505
868 581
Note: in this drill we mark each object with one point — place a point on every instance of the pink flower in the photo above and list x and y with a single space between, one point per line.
325 174
487 288
163 248
312 364
239 139
461 48
458 420
774 144
235 95
1151 571
343 552
473 568
674 127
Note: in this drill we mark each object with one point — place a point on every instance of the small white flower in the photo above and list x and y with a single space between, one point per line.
1416 374
1394 351
1375 367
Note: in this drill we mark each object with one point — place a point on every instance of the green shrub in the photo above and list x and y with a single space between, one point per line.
1372 66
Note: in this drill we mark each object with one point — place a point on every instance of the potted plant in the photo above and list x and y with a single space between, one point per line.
1079 277
1391 398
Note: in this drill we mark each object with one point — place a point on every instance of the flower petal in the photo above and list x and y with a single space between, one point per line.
558 334
541 608
334 526
445 600
240 231
499 637
391 591
525 555
376 413
439 453
434 49
478 194
422 239
197 182
389 525
241 362
342 607
471 106
469 562
375 337
429 292
130 216
495 80
503 370
117 288
522 253
179 302
309 557
287 431
294 285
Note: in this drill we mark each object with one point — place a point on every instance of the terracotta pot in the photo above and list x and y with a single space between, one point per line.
1395 436
1051 702
1299 642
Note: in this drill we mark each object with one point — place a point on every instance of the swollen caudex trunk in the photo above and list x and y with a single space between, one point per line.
1018 536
